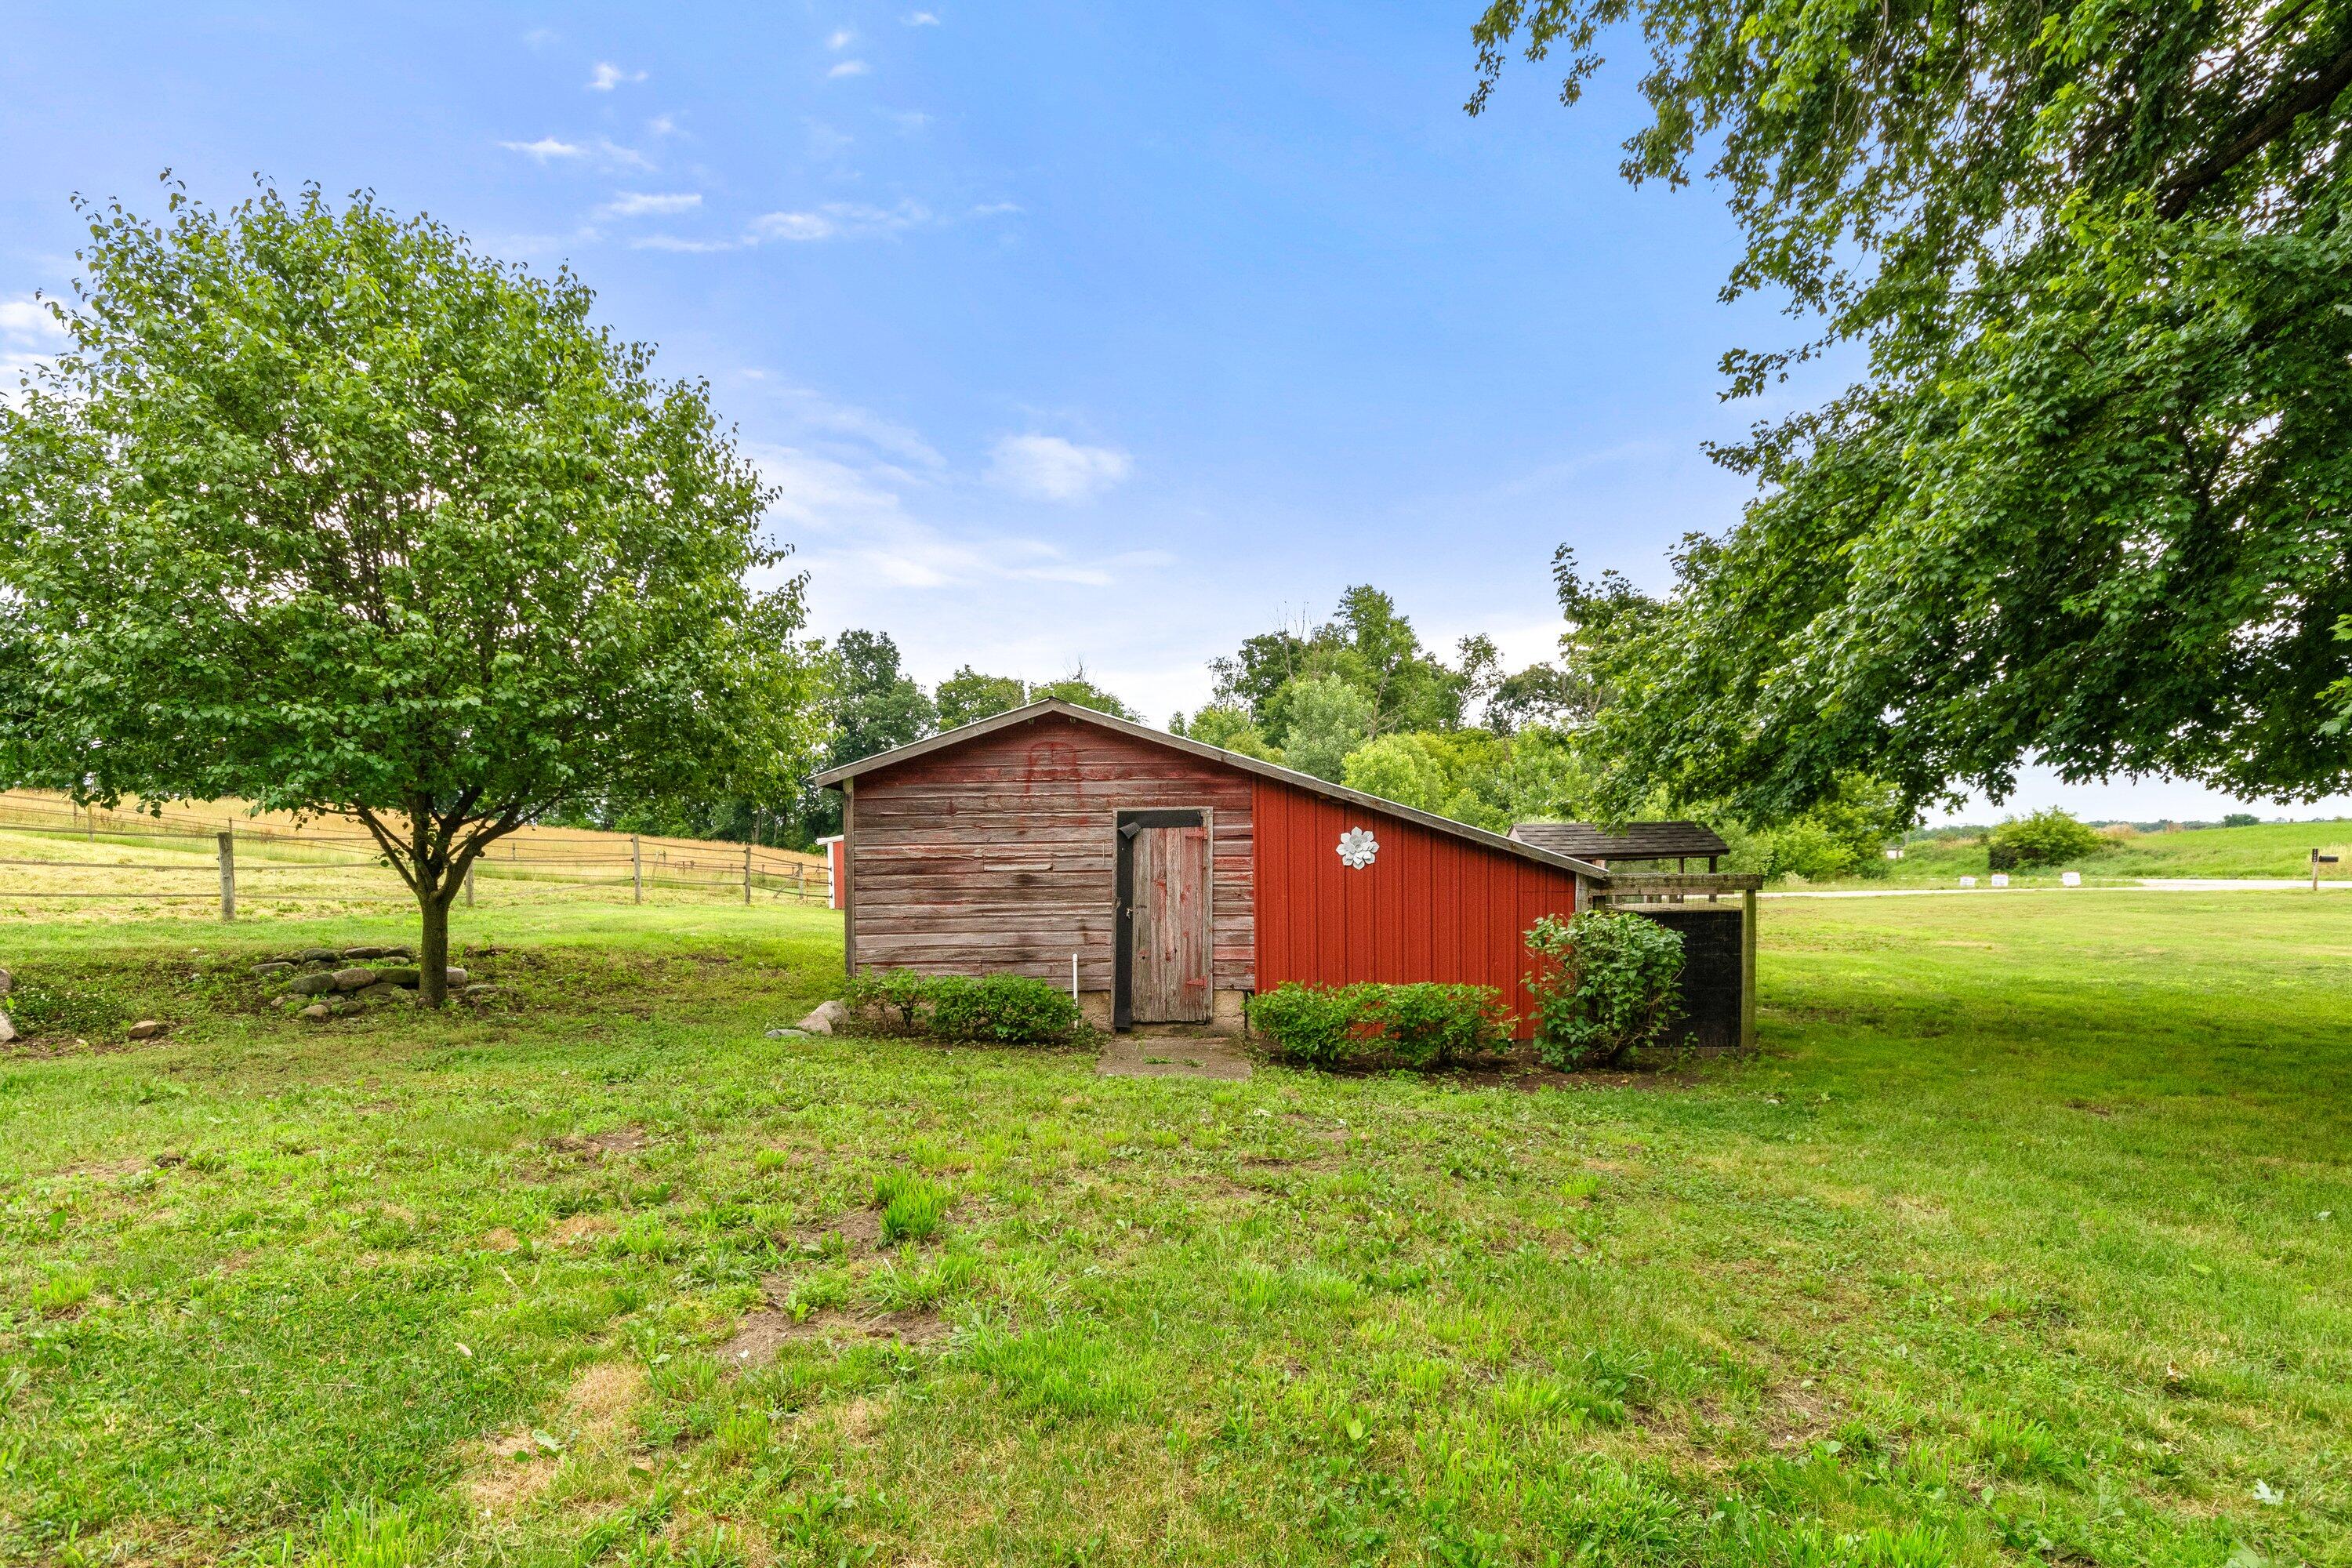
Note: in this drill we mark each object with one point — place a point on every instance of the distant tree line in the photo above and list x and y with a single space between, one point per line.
1359 700
866 704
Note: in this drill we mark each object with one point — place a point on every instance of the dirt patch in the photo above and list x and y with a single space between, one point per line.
106 1170
581 1227
620 1140
2093 1108
860 1229
760 1336
506 1473
500 1240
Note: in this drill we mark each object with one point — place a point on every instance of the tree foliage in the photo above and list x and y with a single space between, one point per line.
324 509
2090 502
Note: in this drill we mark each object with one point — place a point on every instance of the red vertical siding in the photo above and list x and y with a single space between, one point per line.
1429 907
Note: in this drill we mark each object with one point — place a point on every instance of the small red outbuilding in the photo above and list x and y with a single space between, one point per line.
1170 880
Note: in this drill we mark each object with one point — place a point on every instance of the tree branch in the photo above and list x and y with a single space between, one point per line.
2284 110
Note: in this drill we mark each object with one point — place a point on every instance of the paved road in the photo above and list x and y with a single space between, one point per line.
2142 885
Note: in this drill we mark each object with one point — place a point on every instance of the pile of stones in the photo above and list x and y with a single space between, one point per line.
333 983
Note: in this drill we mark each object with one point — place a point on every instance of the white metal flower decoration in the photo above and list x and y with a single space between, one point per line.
1357 848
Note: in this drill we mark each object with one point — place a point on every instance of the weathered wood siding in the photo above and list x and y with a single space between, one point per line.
999 855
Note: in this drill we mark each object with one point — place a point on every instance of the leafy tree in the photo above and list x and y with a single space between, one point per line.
1231 728
1249 680
1080 692
2090 502
2049 838
1328 719
967 697
872 706
325 510
1452 774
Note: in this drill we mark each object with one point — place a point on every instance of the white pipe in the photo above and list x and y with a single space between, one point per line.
1073 977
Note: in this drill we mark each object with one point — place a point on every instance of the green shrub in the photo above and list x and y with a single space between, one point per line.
997 1009
1605 984
1317 1025
2045 839
1001 1009
899 991
1437 1025
1420 1025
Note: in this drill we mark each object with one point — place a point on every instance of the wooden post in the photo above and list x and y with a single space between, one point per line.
1748 969
747 873
846 893
800 883
228 875
636 869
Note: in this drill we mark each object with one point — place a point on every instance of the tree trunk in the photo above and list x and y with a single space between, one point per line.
433 949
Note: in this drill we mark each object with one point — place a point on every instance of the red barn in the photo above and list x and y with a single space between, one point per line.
1173 878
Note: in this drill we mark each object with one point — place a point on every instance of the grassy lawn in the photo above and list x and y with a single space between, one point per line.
2022 1241
2280 850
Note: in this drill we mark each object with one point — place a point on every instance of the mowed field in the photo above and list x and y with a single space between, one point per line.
2022 1239
2267 850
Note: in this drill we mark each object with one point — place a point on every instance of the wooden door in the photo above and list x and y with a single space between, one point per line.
1169 968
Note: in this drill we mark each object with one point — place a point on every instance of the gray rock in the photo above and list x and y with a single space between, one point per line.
353 978
312 984
828 1017
479 992
8 1029
272 970
788 1033
457 979
356 953
317 955
408 978
316 1010
146 1029
5 983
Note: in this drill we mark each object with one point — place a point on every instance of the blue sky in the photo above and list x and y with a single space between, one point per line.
1073 333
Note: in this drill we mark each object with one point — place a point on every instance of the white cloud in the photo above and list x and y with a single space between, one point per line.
606 77
840 220
815 411
28 335
545 149
842 38
1048 467
923 19
995 209
643 203
849 68
661 125
827 141
684 245
910 120
615 154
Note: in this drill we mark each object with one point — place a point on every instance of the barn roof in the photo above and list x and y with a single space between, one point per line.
1634 841
1542 854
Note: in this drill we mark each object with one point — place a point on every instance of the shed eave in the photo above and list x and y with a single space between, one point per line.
833 778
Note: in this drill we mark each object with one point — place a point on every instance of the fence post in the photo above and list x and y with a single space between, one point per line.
1748 969
636 868
228 875
747 872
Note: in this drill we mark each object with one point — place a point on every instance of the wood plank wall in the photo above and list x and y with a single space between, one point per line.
999 855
